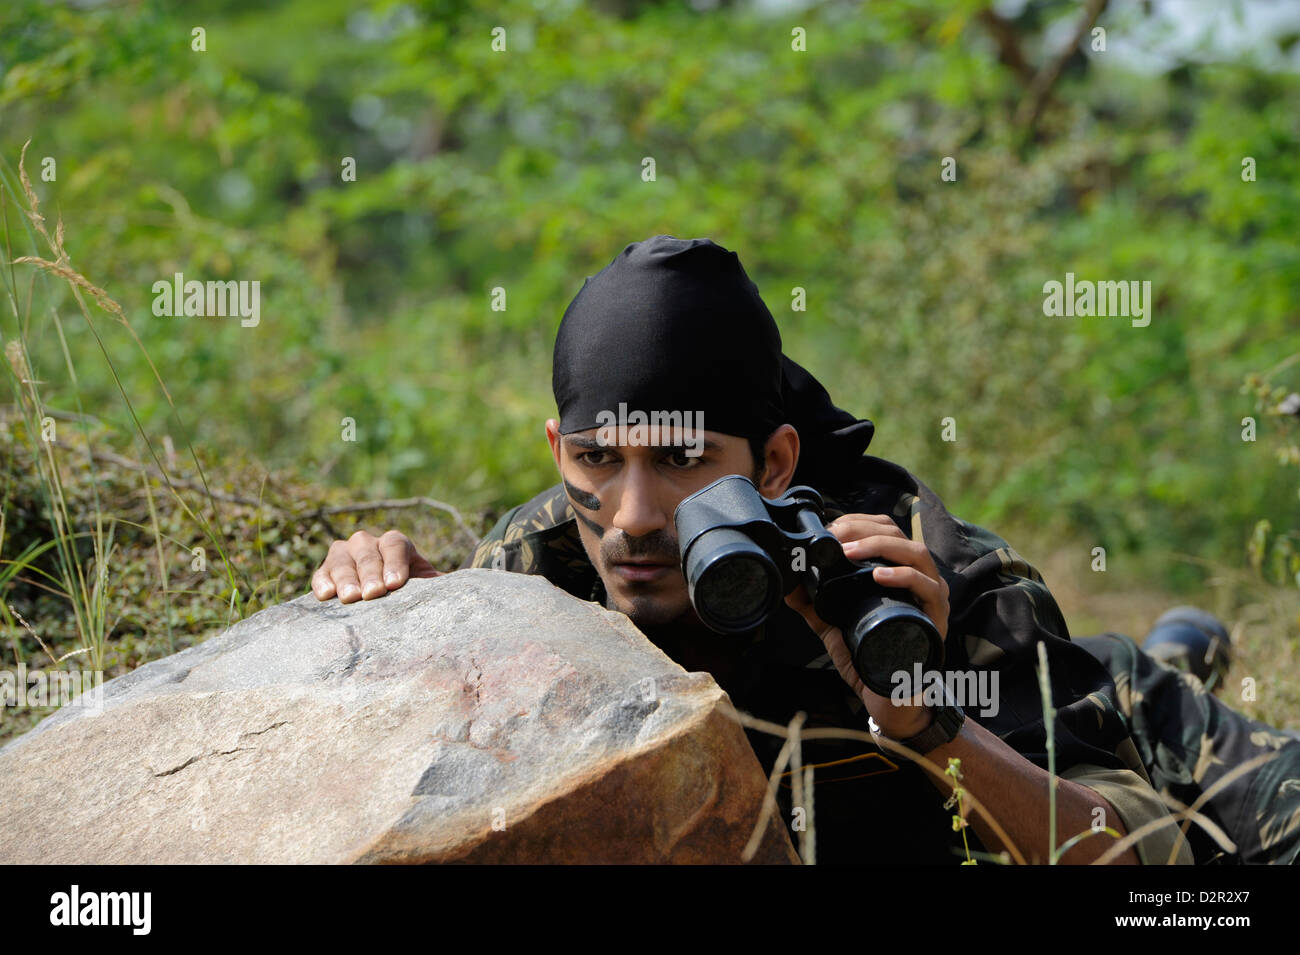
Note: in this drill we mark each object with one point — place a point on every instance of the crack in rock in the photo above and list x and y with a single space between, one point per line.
225 752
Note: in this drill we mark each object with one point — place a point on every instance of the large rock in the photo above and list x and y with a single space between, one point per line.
480 716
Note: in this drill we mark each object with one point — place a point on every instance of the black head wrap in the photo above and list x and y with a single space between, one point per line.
676 325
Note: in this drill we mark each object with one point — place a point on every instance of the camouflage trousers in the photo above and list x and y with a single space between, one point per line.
1190 741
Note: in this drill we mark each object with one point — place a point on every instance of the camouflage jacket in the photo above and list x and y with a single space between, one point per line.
1191 745
1000 608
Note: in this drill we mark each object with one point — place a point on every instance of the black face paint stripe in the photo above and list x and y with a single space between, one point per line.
589 501
590 524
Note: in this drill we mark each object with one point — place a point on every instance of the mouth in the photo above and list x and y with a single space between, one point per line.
642 570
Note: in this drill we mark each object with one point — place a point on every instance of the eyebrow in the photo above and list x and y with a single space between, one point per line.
592 444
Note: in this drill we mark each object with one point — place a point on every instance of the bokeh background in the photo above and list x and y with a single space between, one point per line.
522 168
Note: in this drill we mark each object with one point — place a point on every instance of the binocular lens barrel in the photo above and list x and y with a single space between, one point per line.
734 584
892 639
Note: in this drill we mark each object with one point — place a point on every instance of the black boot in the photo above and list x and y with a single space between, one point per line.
1191 639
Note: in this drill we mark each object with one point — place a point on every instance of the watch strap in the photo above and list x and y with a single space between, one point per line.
943 728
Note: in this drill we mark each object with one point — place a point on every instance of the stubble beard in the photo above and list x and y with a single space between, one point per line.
650 612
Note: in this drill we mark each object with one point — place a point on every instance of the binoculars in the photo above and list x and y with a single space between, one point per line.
743 553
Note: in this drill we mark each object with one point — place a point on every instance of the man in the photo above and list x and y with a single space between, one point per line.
675 326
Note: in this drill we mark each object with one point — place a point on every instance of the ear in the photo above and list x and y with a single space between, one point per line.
780 457
553 436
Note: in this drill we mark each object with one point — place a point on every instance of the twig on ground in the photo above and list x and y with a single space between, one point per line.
321 511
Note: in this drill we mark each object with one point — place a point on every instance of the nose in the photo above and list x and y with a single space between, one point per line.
638 511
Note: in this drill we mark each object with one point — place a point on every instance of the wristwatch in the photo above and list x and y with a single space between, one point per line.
944 728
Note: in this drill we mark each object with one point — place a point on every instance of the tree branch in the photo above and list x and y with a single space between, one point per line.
323 511
1031 107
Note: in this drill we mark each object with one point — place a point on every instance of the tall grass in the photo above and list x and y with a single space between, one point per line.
84 581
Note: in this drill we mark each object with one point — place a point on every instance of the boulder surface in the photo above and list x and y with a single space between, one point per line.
480 716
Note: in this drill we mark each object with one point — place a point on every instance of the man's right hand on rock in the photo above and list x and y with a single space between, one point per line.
366 566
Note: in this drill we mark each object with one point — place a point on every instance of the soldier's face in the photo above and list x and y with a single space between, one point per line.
624 496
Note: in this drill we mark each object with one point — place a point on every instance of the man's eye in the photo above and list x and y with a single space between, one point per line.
684 461
587 456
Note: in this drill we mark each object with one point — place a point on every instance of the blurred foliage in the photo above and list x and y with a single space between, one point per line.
1275 555
522 169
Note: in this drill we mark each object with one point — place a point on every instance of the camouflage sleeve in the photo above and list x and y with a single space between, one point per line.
540 537
1000 610
1137 805
491 543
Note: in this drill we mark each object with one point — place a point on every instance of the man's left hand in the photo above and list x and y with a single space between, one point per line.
876 536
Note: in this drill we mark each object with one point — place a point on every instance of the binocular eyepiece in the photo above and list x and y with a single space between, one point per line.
743 553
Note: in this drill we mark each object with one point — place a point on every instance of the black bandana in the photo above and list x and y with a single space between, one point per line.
676 326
